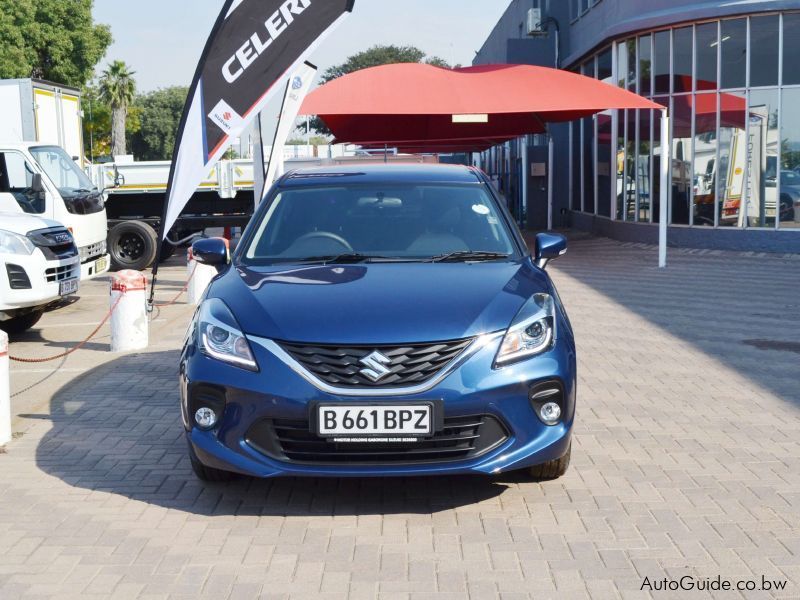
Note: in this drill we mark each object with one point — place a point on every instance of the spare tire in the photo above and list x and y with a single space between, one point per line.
132 245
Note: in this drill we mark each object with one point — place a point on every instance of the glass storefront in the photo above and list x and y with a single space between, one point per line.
731 86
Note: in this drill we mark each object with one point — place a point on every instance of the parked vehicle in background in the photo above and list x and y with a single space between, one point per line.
380 321
40 265
41 133
45 182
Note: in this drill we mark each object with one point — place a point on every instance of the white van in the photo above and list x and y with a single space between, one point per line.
61 192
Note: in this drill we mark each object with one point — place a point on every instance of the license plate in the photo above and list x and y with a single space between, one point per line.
101 264
67 287
414 420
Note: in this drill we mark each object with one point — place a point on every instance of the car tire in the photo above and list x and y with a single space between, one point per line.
209 474
22 323
552 469
132 245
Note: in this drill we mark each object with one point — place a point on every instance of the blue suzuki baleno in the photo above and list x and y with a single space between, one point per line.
379 321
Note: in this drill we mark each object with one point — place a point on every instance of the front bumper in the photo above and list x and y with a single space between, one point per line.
44 277
473 389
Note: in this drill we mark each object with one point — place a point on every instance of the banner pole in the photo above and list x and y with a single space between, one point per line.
223 14
259 172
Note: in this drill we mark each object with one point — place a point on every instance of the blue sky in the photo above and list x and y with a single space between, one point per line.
162 40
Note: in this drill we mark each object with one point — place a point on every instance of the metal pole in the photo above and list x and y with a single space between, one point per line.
526 169
666 161
550 169
259 172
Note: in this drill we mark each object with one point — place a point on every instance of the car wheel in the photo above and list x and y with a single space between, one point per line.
22 323
205 473
552 469
132 245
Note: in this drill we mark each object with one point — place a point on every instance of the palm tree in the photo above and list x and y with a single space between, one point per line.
117 87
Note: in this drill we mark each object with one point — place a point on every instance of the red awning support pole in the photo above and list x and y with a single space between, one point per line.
666 162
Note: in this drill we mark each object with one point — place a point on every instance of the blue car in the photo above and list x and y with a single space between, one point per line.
379 321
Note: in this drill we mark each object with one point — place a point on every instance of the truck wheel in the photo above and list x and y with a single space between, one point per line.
132 245
22 323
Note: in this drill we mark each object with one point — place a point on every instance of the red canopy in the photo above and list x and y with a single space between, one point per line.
418 106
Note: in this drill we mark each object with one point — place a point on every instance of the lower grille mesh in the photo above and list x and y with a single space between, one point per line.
461 438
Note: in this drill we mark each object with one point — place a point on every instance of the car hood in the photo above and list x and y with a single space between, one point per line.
378 303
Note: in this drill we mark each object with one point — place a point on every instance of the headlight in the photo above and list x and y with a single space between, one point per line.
221 337
14 243
531 333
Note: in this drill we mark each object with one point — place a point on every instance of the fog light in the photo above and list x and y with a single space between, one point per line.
550 413
205 418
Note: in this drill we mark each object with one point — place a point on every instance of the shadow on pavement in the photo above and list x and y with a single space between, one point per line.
117 429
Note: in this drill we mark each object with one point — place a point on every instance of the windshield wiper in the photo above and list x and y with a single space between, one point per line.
467 256
347 258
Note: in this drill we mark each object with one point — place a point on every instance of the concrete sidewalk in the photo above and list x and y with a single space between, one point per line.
686 461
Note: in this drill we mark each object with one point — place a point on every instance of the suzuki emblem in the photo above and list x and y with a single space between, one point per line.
227 116
375 366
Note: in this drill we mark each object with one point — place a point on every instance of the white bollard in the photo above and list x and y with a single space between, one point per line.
129 325
201 276
5 392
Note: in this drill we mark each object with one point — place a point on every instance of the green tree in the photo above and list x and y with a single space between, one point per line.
160 115
117 88
55 40
373 57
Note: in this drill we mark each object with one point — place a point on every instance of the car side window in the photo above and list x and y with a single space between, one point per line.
16 178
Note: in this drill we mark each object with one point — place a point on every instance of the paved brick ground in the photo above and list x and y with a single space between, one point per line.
686 461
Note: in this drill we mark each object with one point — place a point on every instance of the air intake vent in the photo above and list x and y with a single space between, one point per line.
17 278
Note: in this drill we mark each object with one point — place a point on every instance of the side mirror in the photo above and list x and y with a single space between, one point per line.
37 185
213 252
548 247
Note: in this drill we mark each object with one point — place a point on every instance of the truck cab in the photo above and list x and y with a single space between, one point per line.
45 182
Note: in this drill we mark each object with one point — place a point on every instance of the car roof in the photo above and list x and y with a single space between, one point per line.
381 173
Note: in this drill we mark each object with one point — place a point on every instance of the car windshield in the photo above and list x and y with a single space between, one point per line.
61 169
388 222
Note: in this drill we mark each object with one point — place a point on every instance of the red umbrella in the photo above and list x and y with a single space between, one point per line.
422 106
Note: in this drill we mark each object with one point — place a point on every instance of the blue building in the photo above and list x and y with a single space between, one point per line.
729 72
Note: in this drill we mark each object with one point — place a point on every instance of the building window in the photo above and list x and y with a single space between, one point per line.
764 51
762 185
732 157
682 169
575 166
705 159
682 60
790 160
645 65
791 49
661 58
707 46
588 165
733 41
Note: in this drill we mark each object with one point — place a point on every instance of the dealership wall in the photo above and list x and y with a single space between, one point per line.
586 27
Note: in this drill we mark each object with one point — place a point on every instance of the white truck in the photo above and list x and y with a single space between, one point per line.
40 265
41 134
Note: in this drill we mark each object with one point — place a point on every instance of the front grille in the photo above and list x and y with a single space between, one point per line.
461 438
92 252
341 366
56 243
61 273
17 278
